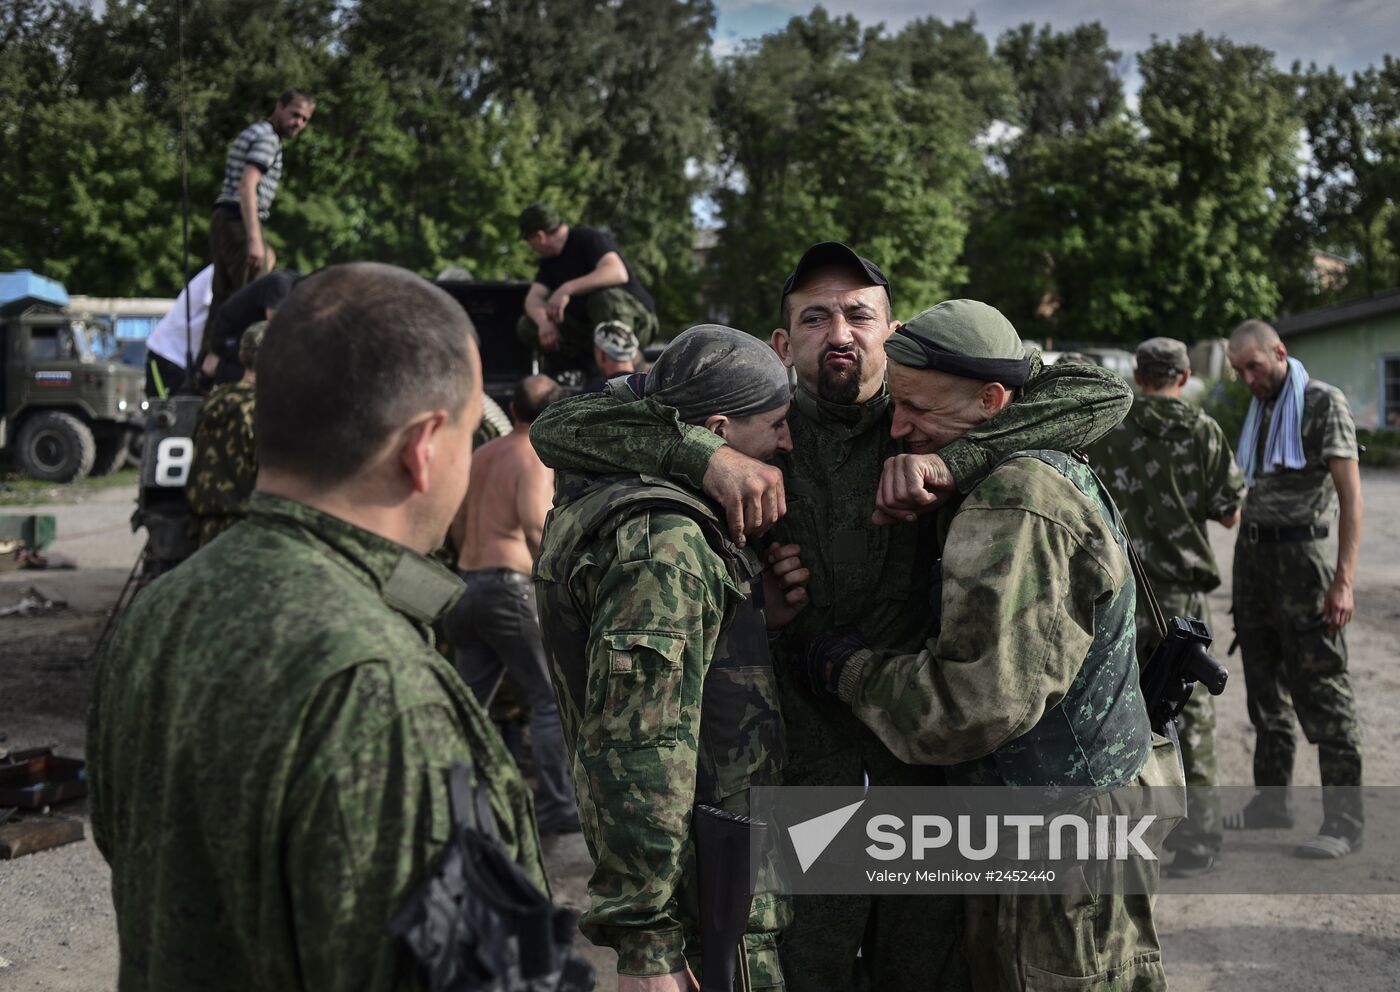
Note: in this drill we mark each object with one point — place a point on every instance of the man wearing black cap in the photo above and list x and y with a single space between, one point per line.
835 317
1028 678
583 281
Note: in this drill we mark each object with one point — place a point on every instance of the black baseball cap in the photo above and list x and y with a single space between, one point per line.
829 254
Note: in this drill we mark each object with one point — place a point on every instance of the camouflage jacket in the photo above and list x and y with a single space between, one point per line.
877 577
1170 469
1300 497
267 747
667 696
225 466
1030 677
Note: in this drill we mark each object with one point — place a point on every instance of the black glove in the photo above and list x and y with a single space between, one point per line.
821 663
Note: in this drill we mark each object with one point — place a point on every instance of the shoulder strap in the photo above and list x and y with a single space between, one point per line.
471 809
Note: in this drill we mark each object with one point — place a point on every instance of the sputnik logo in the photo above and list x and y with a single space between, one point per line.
811 837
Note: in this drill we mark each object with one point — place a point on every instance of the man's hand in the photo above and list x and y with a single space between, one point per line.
554 306
210 365
550 338
910 486
677 981
1338 606
784 585
257 251
821 664
750 492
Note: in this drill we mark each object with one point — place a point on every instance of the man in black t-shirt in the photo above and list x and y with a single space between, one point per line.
582 281
254 302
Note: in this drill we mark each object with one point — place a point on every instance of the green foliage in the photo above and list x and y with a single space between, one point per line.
1379 449
1018 176
1228 402
828 132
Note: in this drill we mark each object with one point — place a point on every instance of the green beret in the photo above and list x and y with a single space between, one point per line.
963 338
538 217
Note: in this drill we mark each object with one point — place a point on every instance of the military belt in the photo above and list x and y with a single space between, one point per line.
1255 534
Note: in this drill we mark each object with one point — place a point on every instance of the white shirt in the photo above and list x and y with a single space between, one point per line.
168 338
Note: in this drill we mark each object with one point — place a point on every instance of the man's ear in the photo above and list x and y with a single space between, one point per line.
993 398
418 445
1185 378
781 343
718 424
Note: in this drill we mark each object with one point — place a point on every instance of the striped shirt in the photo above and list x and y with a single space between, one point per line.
258 145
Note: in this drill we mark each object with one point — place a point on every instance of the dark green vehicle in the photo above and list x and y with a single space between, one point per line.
64 413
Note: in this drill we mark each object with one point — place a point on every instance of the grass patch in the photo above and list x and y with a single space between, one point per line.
18 489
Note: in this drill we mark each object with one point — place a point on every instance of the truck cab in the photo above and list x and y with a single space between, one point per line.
65 413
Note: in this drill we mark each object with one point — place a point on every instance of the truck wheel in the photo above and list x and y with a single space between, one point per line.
111 453
56 447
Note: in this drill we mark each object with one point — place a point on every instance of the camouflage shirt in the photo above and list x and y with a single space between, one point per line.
1031 664
876 576
1305 496
662 705
1170 469
225 466
267 746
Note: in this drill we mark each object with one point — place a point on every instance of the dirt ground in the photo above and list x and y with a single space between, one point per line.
57 930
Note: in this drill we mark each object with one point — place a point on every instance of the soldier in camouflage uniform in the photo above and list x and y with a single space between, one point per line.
1029 677
1170 469
1291 602
836 310
225 465
270 728
656 633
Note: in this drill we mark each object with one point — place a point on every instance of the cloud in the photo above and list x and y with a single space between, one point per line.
1347 34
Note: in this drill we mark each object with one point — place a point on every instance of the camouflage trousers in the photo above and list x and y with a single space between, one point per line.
1293 665
1202 831
576 348
1101 939
904 943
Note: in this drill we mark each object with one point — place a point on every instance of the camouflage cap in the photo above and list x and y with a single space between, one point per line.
616 340
249 342
963 338
1166 353
538 217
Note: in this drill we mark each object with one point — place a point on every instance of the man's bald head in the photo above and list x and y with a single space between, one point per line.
1256 333
532 395
1259 356
349 360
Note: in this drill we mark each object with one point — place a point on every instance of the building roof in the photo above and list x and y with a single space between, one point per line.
1340 313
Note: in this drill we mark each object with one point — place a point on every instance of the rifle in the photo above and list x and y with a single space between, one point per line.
728 873
477 923
1181 659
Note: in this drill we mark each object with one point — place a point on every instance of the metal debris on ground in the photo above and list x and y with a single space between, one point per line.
33 603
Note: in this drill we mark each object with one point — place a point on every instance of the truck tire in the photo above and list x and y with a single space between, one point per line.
56 447
111 453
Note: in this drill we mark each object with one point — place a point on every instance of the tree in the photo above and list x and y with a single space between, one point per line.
1217 115
1066 82
831 132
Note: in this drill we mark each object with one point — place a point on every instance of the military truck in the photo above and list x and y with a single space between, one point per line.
64 413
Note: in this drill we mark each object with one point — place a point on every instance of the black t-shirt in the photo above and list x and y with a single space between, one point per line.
241 311
583 249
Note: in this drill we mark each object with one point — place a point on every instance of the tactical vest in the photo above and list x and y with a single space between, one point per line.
741 731
1098 737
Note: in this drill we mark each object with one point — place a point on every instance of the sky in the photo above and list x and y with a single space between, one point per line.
1347 34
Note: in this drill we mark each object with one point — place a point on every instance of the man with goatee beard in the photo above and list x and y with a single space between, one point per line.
836 311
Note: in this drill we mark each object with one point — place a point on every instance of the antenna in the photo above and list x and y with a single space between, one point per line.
188 385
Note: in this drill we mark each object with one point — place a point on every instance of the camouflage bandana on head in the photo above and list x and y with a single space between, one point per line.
710 369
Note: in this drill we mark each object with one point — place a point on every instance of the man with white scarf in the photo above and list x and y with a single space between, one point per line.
1299 456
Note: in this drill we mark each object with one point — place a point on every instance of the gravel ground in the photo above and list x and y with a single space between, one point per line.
57 930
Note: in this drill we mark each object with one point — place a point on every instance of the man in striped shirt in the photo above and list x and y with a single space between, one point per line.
254 166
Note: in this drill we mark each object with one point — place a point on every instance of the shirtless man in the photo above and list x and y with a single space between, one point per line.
493 626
